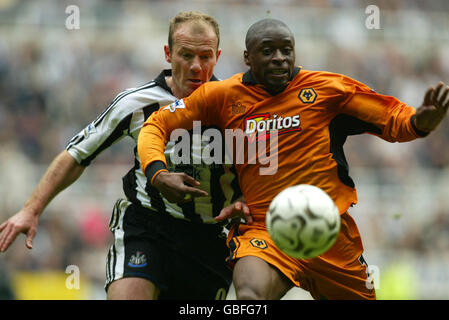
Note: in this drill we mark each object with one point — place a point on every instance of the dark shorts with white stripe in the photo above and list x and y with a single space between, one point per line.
184 260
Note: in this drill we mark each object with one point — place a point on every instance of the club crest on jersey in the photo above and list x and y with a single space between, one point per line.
259 126
137 260
238 108
258 243
178 104
307 95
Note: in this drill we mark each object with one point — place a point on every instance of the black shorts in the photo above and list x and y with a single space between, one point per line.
184 260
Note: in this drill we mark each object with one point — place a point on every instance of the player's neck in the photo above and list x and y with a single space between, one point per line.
174 89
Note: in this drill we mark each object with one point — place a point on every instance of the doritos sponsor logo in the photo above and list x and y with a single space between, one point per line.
307 95
259 126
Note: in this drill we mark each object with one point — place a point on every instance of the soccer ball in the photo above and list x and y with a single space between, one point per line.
303 221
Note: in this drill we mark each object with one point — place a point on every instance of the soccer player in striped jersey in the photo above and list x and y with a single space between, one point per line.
164 246
311 113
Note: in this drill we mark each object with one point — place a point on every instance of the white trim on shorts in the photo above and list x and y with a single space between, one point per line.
116 255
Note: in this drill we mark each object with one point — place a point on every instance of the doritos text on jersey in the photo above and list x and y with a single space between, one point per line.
260 125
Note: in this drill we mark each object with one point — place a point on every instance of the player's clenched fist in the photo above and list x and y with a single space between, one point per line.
434 108
22 222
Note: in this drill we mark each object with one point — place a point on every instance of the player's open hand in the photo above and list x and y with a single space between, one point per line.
22 222
236 209
434 108
178 187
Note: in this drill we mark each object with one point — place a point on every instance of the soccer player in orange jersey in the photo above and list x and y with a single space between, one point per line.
311 114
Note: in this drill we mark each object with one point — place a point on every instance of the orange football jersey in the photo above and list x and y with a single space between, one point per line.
311 119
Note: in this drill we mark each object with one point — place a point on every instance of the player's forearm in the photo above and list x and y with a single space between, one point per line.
399 124
392 117
157 130
62 172
151 143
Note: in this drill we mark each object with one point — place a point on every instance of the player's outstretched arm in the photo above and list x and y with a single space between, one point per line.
62 172
433 109
175 186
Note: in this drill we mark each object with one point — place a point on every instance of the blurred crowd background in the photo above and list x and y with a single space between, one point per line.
54 81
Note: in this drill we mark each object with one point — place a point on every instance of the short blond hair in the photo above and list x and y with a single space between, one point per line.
186 16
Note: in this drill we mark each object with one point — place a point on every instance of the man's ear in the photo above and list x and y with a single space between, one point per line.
218 54
246 58
167 54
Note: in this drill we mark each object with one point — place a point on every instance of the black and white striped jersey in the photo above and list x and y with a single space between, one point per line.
125 116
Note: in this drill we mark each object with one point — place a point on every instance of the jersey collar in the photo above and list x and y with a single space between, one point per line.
160 79
249 79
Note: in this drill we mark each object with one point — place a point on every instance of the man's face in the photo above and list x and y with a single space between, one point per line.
193 57
271 57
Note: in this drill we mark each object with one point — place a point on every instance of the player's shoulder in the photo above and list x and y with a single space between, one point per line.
224 83
320 75
223 86
136 98
150 90
326 80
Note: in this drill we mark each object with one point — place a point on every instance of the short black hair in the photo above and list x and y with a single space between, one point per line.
258 27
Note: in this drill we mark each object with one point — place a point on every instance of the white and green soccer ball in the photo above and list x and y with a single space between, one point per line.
303 221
